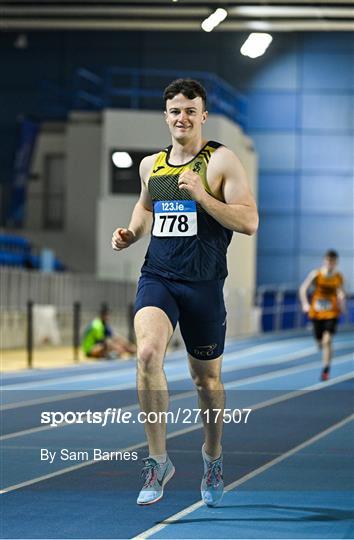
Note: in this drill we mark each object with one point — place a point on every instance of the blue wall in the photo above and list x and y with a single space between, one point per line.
301 117
301 112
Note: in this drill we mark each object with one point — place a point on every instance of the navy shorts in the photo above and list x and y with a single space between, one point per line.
198 306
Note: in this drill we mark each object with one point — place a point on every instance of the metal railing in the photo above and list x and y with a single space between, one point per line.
17 286
275 309
62 290
137 89
280 309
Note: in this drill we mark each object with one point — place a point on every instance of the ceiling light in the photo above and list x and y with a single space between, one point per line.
220 14
301 12
122 160
207 26
214 19
256 44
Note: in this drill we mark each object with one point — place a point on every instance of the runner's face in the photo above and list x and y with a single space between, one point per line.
330 263
185 117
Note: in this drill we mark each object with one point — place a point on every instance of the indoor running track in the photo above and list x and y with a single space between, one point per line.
288 470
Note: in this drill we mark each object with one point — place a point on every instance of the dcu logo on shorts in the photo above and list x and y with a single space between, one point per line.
205 350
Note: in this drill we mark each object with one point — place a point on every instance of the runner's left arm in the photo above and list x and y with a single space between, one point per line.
238 210
341 297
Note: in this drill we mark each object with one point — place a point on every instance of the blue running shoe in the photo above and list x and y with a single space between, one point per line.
155 476
212 486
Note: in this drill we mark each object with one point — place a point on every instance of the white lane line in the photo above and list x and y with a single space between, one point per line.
256 406
230 385
297 393
183 431
283 372
174 519
56 397
35 385
230 357
267 347
173 356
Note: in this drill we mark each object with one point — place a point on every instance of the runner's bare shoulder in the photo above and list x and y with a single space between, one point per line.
146 166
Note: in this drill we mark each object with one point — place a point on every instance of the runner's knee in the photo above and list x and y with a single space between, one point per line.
149 358
326 338
206 382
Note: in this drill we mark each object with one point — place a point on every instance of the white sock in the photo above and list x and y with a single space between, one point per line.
160 458
207 457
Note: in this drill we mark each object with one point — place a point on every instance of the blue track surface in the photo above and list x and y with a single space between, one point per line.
289 470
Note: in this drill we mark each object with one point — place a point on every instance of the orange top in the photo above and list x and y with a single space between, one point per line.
324 302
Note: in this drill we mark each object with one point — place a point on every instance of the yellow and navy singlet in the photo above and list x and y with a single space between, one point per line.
186 242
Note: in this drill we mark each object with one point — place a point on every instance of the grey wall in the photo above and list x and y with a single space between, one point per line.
80 141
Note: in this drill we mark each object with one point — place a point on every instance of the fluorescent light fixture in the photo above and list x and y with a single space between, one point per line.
219 15
214 19
122 160
207 26
256 44
259 26
301 12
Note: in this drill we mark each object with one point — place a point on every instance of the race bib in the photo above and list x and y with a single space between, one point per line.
175 218
323 305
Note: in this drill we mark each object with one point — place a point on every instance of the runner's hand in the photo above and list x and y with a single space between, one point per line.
191 182
122 238
306 308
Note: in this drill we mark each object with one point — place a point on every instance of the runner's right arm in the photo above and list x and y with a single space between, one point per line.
141 220
304 288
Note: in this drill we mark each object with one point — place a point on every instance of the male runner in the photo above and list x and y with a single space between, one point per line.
326 305
193 195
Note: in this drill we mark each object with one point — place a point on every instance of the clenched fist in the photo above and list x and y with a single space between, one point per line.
122 238
306 308
192 182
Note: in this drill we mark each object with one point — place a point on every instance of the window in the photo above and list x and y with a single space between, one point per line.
54 192
124 166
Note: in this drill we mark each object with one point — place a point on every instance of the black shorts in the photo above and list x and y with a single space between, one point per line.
198 306
324 325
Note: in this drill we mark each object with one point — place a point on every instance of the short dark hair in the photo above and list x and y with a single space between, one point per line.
104 310
188 87
331 254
